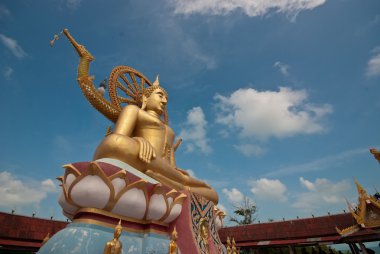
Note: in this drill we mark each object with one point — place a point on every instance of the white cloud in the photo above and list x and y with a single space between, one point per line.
319 164
250 150
269 189
234 195
321 194
373 65
48 185
251 8
270 113
15 192
283 68
309 185
194 131
7 72
13 46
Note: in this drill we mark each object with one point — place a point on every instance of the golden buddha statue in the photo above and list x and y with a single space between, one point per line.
142 140
140 137
173 248
114 246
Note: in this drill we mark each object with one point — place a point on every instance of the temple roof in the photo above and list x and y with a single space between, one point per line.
300 231
26 232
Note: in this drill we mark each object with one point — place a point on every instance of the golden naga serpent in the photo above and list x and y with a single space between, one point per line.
125 84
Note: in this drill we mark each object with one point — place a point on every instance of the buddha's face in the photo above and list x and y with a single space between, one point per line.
117 232
157 101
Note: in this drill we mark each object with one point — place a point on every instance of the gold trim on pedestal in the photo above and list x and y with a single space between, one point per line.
109 225
116 216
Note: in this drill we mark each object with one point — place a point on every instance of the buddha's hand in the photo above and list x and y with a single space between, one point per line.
146 152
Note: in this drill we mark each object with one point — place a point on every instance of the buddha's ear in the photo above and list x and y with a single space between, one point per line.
144 99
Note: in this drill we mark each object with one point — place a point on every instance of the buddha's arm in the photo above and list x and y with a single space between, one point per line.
126 122
125 126
172 157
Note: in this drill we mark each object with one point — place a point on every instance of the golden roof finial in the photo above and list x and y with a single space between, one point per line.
156 82
228 245
233 248
47 237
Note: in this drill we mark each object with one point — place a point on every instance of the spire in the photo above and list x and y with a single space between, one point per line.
156 82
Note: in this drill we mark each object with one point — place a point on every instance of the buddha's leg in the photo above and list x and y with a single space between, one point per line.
206 192
122 148
163 167
194 182
164 180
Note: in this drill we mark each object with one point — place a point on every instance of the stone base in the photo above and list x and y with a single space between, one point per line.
97 195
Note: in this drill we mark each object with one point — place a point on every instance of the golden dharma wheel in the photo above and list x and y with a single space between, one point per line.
126 86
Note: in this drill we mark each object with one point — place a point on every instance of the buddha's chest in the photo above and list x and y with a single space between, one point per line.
155 131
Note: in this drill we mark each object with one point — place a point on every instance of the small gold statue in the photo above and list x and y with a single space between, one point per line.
114 246
173 248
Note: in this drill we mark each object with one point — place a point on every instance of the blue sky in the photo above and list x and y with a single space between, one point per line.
275 100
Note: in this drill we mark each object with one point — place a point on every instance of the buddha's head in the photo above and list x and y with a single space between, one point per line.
118 230
154 98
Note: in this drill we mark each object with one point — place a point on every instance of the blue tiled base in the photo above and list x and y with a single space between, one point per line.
80 238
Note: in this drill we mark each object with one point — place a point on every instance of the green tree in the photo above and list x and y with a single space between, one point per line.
246 212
